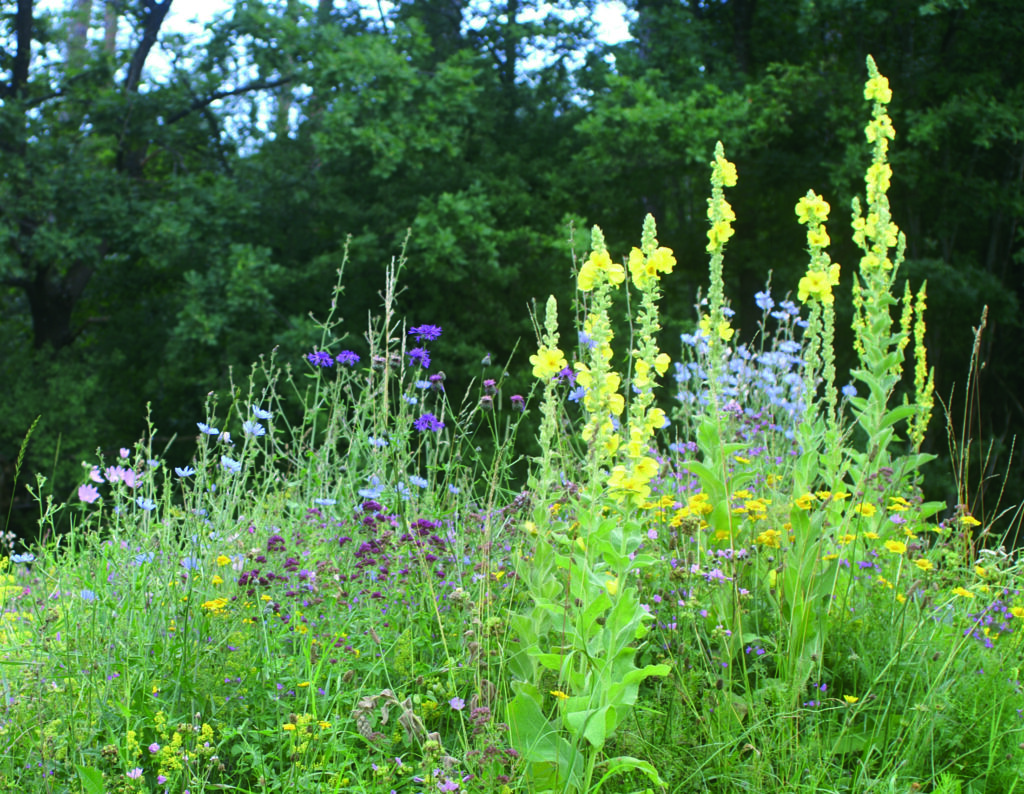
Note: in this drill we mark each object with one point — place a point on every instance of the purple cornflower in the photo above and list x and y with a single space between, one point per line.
419 355
425 333
428 422
318 358
568 375
348 358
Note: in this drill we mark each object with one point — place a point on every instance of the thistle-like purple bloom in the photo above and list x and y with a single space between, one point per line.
518 402
419 355
347 358
318 358
425 333
428 422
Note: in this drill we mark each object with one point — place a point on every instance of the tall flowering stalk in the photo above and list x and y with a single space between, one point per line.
630 477
547 362
601 398
721 216
586 618
815 290
879 347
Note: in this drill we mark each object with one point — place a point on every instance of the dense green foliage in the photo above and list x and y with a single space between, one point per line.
171 208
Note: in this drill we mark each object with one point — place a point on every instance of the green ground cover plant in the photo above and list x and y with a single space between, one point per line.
737 586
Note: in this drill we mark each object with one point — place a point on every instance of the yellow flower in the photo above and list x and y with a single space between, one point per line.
924 564
962 591
805 502
877 89
980 571
769 538
223 560
726 171
812 209
1017 612
865 509
663 260
288 726
898 503
970 521
612 586
216 579
216 605
548 362
815 284
655 419
719 234
896 547
818 238
558 693
661 363
851 699
599 265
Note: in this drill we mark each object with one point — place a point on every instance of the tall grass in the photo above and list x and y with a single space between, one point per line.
347 590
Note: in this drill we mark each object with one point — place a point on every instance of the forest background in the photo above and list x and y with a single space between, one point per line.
163 227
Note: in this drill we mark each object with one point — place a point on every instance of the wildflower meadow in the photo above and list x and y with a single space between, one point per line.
713 569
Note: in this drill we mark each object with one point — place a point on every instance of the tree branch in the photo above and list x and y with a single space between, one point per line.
199 103
154 14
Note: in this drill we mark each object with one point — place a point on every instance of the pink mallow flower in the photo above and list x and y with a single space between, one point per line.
88 493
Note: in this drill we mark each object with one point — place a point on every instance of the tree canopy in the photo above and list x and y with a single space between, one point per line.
171 208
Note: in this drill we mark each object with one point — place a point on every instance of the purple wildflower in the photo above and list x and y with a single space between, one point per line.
318 358
88 493
425 333
347 358
518 402
419 355
428 422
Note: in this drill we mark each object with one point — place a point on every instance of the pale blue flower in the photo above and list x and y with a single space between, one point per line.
253 428
184 471
145 504
259 413
208 429
231 465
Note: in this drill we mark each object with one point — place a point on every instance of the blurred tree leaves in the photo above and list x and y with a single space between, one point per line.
171 207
